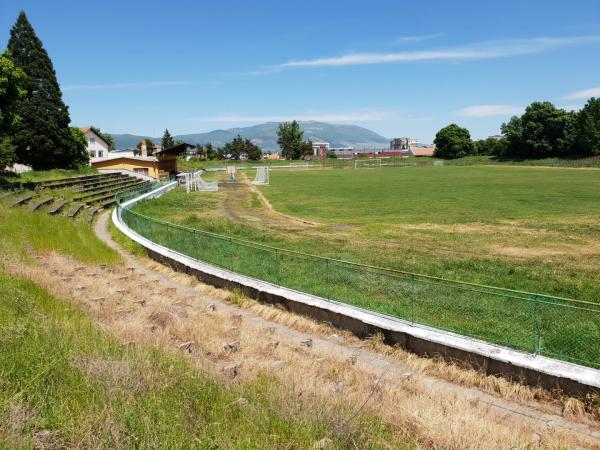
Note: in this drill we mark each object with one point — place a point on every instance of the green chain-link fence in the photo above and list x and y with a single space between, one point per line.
561 328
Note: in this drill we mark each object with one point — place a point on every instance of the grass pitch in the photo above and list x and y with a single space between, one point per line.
531 229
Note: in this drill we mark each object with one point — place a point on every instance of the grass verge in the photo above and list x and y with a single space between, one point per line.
67 384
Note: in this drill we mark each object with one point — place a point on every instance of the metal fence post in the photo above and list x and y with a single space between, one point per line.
328 279
536 328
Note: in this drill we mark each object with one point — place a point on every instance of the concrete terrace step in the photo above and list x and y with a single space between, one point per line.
91 213
55 209
36 205
75 210
75 181
23 200
86 187
111 194
109 188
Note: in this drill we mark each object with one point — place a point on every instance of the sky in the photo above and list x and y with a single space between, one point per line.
399 68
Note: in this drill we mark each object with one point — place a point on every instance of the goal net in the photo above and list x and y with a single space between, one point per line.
193 181
262 176
231 173
374 163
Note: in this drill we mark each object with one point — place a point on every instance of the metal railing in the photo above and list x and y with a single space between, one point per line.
557 327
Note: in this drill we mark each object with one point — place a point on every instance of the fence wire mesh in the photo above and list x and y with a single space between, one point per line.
561 328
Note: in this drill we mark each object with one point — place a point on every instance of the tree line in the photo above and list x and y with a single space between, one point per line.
34 120
543 131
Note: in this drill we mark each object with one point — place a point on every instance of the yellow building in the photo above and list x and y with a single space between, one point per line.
160 165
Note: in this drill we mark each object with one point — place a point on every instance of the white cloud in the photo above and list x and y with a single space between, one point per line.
421 38
490 110
584 94
143 84
485 50
353 116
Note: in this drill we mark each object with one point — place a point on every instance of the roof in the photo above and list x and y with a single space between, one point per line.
86 129
176 149
422 151
131 158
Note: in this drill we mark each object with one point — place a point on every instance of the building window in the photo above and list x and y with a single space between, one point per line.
100 154
92 140
141 171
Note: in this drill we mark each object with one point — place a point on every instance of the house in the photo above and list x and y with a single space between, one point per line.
97 147
422 151
162 164
320 148
273 156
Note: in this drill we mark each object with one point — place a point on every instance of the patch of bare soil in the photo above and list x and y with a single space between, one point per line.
545 252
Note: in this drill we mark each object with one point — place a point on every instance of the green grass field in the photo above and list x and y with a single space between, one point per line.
532 229
438 195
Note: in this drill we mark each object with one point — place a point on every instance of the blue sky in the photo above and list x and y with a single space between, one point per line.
397 67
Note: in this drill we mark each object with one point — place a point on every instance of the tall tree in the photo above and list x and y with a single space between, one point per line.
167 140
588 128
542 131
42 137
291 141
241 147
453 142
253 151
211 153
11 89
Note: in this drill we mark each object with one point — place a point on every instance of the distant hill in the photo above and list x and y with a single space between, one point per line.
265 136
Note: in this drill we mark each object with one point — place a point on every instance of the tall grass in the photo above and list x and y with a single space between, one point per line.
22 231
67 384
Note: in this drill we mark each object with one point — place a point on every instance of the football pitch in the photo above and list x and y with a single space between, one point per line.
524 229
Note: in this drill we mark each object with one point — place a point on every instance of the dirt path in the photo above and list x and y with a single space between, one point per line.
144 303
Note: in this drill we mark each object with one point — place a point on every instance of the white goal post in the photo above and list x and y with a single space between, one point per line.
231 174
262 176
193 181
371 163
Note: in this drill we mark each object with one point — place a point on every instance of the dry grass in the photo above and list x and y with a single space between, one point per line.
314 361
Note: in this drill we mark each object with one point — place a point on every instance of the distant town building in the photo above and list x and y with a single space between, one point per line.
273 156
320 148
402 143
496 136
422 151
97 147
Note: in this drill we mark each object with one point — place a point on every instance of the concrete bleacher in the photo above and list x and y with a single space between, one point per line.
69 196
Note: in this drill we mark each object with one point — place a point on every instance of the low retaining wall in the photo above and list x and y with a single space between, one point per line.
492 359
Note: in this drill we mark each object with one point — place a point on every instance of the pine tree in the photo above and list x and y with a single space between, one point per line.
42 138
167 140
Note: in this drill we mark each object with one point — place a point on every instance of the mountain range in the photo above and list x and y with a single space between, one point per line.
265 136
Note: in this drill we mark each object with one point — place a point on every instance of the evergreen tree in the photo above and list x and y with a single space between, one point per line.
42 137
167 140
